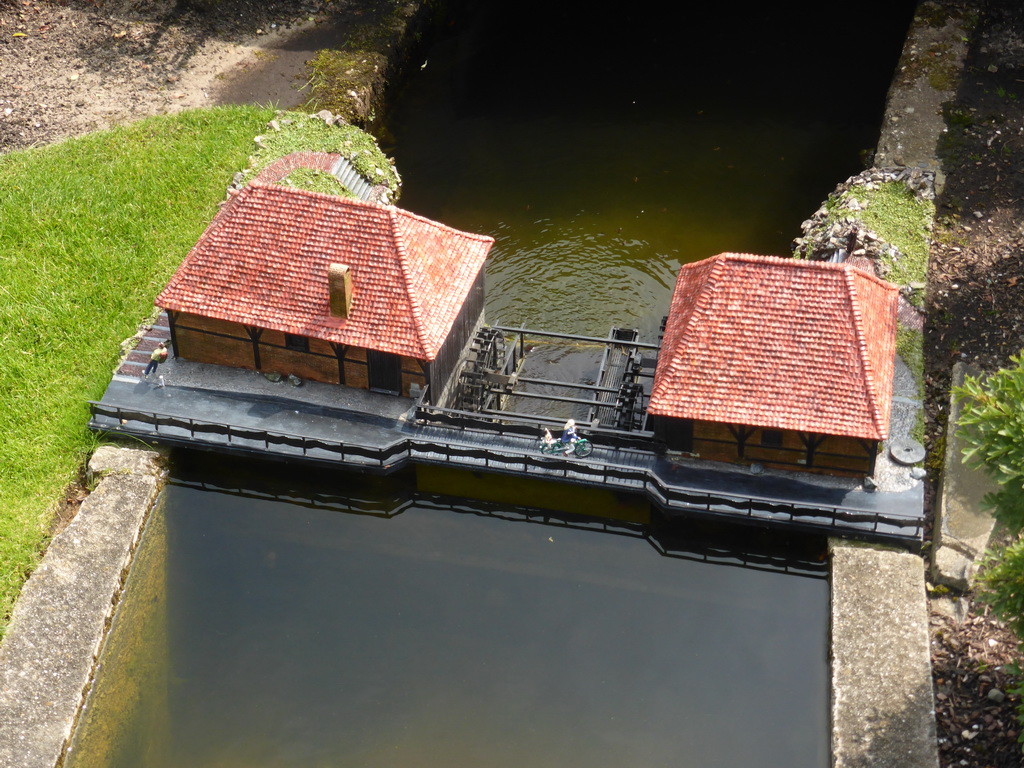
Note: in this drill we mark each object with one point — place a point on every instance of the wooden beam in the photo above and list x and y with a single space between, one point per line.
254 336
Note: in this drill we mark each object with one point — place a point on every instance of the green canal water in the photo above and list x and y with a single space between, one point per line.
282 618
315 630
602 150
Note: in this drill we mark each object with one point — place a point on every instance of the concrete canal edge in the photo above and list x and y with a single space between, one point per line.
963 526
882 704
882 694
883 707
61 618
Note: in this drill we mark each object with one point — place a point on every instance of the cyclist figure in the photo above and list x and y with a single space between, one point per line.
569 436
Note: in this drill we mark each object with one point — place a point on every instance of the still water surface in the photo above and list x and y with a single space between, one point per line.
295 636
602 151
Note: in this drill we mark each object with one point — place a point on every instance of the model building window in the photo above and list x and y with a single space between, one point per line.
298 343
771 438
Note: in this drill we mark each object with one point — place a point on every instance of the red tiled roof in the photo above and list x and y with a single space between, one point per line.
779 343
263 261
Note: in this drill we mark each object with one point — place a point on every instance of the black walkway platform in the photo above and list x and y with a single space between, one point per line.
240 412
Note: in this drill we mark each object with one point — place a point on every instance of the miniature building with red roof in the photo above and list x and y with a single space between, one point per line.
329 289
775 361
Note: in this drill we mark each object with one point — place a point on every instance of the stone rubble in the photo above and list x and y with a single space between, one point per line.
825 234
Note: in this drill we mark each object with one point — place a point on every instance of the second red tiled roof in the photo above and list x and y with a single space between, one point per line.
779 343
263 262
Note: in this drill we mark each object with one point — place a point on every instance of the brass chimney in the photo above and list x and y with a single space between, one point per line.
339 283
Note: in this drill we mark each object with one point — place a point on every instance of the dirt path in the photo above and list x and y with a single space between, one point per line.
69 68
976 314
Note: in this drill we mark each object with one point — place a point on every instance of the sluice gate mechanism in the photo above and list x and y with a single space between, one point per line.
500 379
488 373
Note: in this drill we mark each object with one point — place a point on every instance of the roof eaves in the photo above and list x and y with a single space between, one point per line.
700 306
680 332
233 201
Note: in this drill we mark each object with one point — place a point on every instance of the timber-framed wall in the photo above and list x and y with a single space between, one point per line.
220 342
777 448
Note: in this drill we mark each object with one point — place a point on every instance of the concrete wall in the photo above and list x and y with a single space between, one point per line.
60 620
883 707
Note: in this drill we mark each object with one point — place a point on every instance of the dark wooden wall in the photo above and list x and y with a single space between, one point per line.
206 340
782 449
463 330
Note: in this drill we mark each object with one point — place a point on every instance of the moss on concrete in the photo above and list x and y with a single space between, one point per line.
315 181
351 80
899 218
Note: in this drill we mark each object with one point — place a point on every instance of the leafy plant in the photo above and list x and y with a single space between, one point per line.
1017 690
992 422
1001 585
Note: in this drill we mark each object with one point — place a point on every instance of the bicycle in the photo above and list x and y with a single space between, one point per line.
580 447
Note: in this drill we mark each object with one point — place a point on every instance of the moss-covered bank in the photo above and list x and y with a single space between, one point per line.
355 79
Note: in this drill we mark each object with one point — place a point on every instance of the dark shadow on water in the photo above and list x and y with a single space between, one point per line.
602 150
291 617
699 541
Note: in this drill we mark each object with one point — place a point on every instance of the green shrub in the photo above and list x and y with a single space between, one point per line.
992 428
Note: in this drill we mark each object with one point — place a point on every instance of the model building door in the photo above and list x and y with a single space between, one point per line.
385 372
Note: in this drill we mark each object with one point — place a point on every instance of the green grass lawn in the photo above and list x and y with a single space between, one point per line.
90 231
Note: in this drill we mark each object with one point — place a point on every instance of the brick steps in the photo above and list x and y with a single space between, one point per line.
135 362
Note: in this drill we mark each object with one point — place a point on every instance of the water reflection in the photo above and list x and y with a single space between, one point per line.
298 635
706 542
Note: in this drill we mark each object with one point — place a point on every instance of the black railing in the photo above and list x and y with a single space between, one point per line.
529 425
533 333
752 509
168 428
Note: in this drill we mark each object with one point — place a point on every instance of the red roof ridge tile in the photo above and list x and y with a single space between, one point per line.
299 191
280 168
409 215
852 273
405 267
